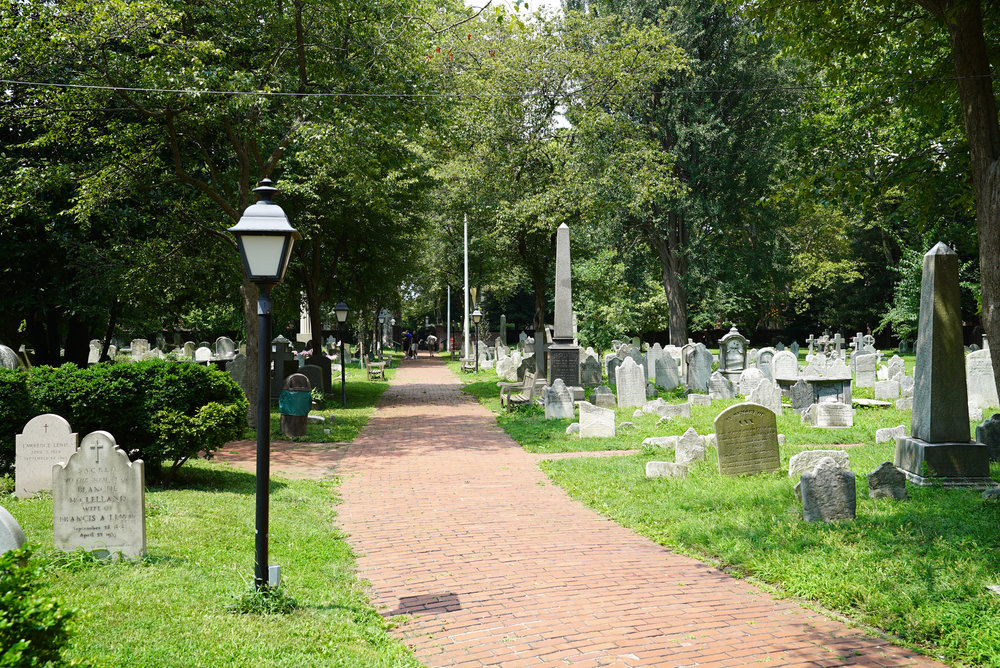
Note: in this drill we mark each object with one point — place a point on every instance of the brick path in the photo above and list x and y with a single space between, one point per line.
458 529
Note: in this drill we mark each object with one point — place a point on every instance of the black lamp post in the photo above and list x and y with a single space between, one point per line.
381 331
342 311
265 238
477 316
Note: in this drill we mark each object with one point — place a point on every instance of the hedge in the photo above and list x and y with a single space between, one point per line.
33 625
159 411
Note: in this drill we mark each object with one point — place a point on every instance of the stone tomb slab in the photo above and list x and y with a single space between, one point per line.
99 500
47 440
747 439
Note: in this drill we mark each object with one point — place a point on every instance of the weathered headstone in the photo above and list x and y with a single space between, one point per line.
828 493
906 386
699 400
719 387
887 482
663 409
314 373
47 440
732 354
99 500
887 390
558 401
807 461
612 362
832 415
11 535
596 422
94 355
630 383
988 433
603 397
202 354
237 369
784 365
890 434
767 394
749 379
224 348
665 371
8 358
802 395
747 439
864 370
981 382
939 450
699 368
188 350
656 469
590 371
690 447
765 360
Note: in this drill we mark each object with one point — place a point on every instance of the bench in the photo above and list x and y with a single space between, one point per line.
468 366
525 394
376 370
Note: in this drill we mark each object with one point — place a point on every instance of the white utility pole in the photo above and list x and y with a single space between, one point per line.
465 294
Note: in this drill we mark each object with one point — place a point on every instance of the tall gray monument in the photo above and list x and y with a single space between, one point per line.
940 450
564 356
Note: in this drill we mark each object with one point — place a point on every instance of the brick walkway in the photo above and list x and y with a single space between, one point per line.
457 528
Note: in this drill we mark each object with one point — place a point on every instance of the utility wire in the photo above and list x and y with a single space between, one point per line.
526 94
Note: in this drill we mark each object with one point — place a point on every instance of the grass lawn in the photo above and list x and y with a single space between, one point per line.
170 609
917 569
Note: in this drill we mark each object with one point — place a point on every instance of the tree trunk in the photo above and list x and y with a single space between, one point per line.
540 303
249 293
673 266
979 111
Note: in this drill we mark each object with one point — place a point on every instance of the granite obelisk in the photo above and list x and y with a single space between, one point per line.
564 357
940 450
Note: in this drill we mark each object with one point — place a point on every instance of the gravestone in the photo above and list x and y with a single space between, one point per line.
699 400
890 434
747 440
563 354
887 482
590 371
897 368
750 379
906 386
864 369
802 395
656 469
225 349
603 397
832 415
630 381
189 349
507 367
613 362
202 354
807 461
237 369
99 500
981 382
596 422
139 349
765 361
784 365
294 404
699 368
690 447
732 354
719 387
767 394
939 450
47 440
558 401
11 536
665 372
314 373
653 355
94 356
886 390
988 433
828 493
284 363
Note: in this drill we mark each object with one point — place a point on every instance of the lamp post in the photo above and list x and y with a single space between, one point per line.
341 310
381 331
265 239
477 316
392 333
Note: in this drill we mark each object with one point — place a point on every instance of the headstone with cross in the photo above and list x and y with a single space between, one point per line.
838 342
812 341
99 500
285 364
46 441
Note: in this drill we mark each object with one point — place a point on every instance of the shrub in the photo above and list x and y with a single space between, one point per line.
15 411
155 409
33 626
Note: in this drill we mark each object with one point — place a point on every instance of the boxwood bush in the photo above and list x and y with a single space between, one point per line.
159 411
33 625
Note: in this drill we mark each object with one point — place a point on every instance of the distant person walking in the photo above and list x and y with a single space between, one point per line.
432 344
407 343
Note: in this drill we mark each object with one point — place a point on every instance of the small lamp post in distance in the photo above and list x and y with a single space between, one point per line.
477 316
265 239
342 312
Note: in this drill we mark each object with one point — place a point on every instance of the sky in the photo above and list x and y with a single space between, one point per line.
532 4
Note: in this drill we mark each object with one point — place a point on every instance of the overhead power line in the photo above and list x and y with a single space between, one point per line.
522 94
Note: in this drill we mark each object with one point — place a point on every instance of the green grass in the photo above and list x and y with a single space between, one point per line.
344 424
916 569
175 607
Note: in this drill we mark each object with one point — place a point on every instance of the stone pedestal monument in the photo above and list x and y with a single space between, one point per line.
940 450
564 356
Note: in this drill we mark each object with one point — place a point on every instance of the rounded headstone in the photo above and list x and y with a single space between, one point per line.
8 358
11 536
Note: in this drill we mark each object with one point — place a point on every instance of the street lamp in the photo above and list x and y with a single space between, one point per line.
341 310
477 316
392 333
265 239
381 331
